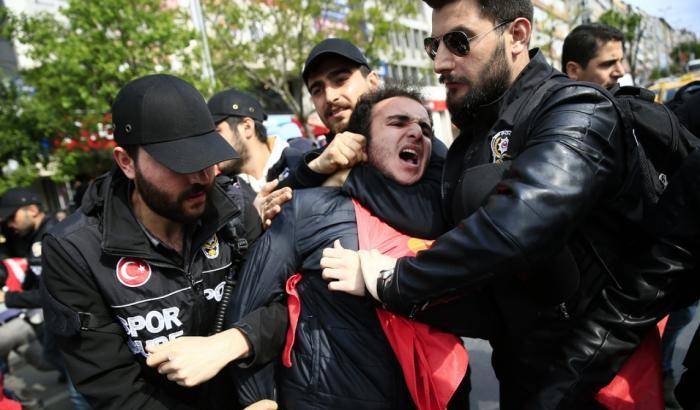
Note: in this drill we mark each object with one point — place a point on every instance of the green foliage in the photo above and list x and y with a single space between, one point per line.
684 52
265 43
657 73
629 24
82 57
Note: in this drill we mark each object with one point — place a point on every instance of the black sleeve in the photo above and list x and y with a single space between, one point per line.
252 223
258 305
415 210
565 168
302 176
98 360
266 329
29 299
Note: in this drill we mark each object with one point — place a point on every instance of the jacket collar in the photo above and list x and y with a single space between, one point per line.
122 235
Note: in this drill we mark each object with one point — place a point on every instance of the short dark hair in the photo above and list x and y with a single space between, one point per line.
260 130
361 118
582 44
497 10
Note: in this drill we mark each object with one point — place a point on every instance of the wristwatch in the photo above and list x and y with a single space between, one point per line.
385 275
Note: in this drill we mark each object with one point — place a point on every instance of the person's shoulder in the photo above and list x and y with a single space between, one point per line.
586 96
318 201
75 225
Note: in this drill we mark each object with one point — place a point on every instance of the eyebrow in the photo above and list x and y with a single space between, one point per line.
424 125
610 61
331 74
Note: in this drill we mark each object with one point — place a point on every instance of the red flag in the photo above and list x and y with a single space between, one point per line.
638 385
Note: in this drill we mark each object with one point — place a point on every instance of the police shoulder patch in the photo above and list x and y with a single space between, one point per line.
211 248
36 249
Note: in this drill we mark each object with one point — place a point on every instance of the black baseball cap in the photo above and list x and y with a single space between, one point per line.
169 118
235 103
15 198
333 46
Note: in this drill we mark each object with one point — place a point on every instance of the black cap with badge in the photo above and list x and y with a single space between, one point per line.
333 46
235 103
15 198
169 119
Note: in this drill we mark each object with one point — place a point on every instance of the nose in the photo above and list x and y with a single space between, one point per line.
619 70
444 60
332 93
414 131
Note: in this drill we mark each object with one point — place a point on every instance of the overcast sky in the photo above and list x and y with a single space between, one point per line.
679 13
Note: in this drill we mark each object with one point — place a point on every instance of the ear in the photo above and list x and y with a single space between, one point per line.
246 128
373 80
520 32
573 70
33 209
125 162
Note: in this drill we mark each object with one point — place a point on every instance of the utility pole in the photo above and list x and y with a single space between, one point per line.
198 20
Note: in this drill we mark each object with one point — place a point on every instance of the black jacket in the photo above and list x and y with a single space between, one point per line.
341 358
678 224
30 297
111 289
550 220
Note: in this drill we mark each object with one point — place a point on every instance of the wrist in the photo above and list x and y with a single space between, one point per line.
235 344
385 275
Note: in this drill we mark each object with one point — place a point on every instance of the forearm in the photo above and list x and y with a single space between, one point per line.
265 329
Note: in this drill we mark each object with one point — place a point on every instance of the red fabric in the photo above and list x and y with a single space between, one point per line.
5 402
433 362
638 385
294 308
16 268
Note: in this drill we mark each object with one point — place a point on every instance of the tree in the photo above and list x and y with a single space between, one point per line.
685 52
267 42
82 57
631 26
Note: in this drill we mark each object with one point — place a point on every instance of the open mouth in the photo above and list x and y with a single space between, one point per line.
409 155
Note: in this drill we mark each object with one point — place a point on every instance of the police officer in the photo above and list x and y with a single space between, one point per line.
146 258
22 212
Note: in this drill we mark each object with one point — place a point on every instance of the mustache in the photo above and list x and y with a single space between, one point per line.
449 78
194 190
331 107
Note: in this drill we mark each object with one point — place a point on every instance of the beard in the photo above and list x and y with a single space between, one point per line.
165 205
233 167
495 81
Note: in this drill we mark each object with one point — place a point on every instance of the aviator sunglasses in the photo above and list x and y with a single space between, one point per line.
457 42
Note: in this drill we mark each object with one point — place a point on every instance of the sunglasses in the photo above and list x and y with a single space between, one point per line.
457 42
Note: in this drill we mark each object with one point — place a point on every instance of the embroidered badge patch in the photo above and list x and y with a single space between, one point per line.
36 249
211 248
133 272
499 146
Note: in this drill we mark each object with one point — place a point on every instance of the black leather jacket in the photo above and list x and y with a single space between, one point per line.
548 219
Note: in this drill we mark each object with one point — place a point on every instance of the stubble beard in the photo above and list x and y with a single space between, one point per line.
233 167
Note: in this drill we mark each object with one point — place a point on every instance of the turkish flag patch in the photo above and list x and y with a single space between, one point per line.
133 272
